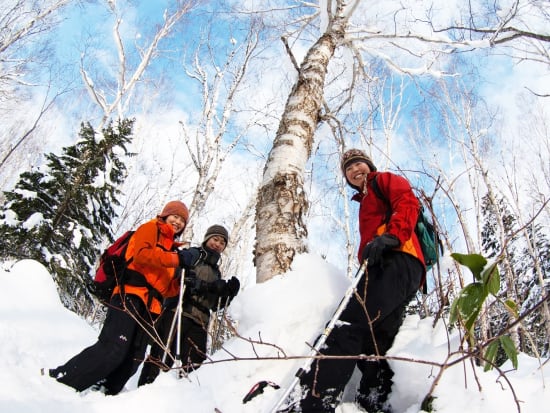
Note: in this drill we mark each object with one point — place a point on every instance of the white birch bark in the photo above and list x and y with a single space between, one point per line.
282 201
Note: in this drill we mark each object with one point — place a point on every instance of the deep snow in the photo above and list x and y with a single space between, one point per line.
37 331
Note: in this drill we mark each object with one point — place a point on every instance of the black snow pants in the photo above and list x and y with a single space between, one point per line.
385 290
117 354
193 337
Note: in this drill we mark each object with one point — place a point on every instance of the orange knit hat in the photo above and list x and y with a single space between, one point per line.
175 208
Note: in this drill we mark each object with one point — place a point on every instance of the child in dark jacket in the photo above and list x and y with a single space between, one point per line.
205 291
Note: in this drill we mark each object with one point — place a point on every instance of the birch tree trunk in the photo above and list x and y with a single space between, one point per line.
282 202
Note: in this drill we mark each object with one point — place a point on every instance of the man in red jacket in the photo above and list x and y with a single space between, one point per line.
372 318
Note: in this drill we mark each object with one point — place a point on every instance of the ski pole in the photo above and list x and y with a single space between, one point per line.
213 327
219 325
178 316
175 319
321 340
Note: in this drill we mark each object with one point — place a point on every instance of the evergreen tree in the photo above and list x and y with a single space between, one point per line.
60 215
535 286
490 234
498 225
526 289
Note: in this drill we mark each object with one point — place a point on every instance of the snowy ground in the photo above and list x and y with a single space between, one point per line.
37 331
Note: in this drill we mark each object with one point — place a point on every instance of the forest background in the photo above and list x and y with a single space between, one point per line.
193 100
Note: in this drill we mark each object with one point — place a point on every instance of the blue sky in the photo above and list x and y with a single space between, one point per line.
176 97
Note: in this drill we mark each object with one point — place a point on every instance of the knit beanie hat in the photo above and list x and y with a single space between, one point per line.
355 155
216 230
175 208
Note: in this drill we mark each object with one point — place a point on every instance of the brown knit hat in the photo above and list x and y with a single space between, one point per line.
216 230
175 208
355 155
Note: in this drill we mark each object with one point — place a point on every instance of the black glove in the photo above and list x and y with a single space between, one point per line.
233 286
373 250
194 284
218 287
188 257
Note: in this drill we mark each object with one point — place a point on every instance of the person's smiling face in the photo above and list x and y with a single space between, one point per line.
356 173
177 222
216 243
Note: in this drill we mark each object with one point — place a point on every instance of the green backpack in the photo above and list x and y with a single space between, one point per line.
424 229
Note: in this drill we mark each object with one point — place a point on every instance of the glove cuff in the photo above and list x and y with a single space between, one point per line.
392 238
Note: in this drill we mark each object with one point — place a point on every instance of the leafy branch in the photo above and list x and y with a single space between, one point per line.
466 308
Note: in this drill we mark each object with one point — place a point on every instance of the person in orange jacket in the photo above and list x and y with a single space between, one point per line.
372 318
122 342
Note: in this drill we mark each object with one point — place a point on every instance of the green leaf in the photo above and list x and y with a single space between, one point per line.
469 303
471 297
470 322
491 278
475 262
491 355
510 350
453 314
512 307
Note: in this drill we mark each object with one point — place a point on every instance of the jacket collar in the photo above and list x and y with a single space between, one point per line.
360 194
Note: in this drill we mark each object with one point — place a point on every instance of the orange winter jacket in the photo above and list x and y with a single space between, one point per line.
152 250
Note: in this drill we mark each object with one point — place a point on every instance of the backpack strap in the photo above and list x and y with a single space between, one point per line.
125 276
137 279
380 195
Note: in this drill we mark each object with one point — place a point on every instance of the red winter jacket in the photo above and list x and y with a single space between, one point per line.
152 248
404 206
